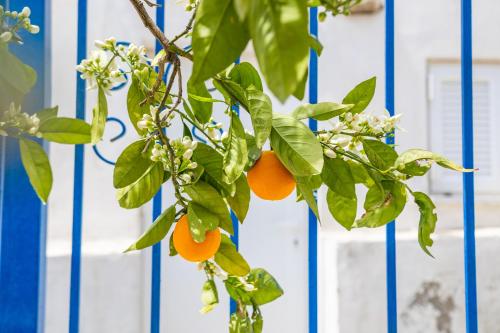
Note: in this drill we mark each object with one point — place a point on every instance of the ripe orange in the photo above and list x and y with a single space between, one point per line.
269 179
191 250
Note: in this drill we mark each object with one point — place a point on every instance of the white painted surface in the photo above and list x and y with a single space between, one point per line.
115 287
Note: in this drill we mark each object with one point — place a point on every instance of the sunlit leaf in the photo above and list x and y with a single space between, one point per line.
37 166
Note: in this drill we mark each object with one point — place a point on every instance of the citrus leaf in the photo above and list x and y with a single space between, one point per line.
361 95
135 97
267 288
230 260
381 210
246 76
341 196
65 130
100 114
261 114
240 201
279 34
307 192
414 155
201 101
381 155
428 219
236 155
201 220
143 189
16 78
218 38
47 114
156 231
296 146
37 166
206 196
320 111
131 164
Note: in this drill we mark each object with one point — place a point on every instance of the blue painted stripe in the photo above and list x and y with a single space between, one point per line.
313 223
156 252
23 217
391 278
76 247
468 162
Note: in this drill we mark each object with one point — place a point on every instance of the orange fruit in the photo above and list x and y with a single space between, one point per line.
191 250
269 179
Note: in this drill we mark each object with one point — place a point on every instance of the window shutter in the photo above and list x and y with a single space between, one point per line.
446 126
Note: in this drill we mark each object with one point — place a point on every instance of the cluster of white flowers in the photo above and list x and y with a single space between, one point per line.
213 269
11 22
22 122
370 124
102 68
147 121
351 128
183 151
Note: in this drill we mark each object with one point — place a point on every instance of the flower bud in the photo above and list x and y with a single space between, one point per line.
330 153
34 29
185 177
6 36
193 165
187 154
26 12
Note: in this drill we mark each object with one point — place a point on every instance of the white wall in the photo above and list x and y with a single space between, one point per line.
115 287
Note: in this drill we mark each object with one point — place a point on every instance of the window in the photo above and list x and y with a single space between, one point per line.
444 94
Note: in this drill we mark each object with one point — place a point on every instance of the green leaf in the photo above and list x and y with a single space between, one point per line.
230 260
100 114
135 97
258 323
305 188
240 323
320 111
428 219
236 155
240 201
131 164
341 197
416 155
361 95
360 174
381 210
47 114
209 296
381 155
300 91
315 44
37 166
254 152
232 92
202 108
156 231
261 114
343 209
246 75
267 288
218 38
242 8
143 189
211 160
172 252
201 220
206 196
296 146
280 38
16 78
65 130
